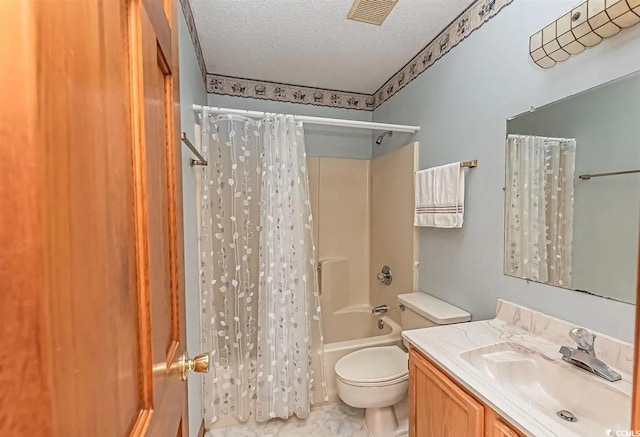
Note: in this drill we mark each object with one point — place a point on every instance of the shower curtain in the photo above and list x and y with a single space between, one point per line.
539 208
261 316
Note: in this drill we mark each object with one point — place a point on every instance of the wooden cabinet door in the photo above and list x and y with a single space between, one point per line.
91 269
501 429
438 407
496 427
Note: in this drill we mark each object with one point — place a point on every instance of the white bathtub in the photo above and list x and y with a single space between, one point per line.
350 330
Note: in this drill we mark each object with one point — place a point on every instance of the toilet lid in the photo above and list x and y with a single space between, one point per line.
374 364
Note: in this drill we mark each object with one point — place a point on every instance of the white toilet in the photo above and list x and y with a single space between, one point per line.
377 378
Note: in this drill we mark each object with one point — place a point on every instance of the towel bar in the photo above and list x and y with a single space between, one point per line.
586 177
201 160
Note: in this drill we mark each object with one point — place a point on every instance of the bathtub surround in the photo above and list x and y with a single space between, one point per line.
393 236
471 92
356 325
356 204
192 91
364 220
342 220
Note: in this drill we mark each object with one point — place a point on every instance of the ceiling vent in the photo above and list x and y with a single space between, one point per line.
371 11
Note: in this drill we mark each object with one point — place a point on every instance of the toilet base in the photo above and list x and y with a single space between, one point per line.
387 421
380 422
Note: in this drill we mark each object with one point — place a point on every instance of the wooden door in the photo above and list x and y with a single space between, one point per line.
438 407
91 266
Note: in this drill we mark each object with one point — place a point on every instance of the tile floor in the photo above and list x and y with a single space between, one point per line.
330 420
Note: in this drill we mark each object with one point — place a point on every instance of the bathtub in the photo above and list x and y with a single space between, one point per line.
352 329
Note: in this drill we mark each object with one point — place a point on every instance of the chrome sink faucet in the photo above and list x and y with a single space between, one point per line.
585 356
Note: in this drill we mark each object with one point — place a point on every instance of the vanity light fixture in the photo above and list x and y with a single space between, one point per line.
585 26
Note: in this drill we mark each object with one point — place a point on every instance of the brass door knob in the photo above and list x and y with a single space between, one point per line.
199 364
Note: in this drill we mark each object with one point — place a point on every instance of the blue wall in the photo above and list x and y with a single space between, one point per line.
192 91
462 103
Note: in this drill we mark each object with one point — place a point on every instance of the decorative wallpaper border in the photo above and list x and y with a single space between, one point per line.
470 20
282 92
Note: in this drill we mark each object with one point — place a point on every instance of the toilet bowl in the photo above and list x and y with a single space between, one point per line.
377 378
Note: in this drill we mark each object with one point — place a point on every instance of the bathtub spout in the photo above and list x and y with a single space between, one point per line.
380 309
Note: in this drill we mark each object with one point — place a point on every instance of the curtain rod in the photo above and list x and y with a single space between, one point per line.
318 120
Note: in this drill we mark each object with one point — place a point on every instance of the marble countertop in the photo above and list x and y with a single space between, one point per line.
534 331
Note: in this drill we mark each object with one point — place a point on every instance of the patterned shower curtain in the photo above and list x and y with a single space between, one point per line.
261 316
539 208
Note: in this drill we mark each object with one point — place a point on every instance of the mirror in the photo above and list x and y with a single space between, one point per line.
572 192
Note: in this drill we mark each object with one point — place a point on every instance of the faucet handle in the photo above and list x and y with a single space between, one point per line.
584 339
566 352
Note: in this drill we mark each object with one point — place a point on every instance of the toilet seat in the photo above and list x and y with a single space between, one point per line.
374 366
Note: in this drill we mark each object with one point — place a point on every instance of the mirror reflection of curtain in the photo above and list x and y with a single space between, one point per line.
259 295
539 208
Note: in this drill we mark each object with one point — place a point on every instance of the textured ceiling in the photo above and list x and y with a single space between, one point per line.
312 43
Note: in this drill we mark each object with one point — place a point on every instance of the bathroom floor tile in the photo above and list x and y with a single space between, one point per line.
330 420
317 429
218 432
254 429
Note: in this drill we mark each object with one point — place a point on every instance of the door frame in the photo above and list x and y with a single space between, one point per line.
635 401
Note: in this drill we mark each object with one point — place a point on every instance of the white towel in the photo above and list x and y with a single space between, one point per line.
440 196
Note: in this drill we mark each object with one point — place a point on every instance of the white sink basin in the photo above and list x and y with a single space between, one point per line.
550 386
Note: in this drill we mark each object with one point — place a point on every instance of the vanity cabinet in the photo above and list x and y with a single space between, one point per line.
439 407
496 426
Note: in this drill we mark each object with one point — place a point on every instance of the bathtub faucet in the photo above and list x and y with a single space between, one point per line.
380 309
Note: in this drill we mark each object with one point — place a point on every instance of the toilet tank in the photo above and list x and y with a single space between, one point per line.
421 310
